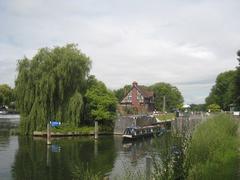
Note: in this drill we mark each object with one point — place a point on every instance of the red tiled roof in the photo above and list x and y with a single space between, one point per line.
144 91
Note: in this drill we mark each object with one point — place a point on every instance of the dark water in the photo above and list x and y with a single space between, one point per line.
30 158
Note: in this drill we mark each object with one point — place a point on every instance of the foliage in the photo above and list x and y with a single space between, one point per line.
74 109
226 91
213 149
214 108
222 92
173 96
79 172
198 107
211 152
6 95
49 86
100 102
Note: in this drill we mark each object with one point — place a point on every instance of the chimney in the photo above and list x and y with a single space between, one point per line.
134 83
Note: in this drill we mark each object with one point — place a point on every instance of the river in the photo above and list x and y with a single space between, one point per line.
68 158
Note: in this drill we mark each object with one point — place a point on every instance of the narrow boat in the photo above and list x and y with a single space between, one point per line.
135 132
3 112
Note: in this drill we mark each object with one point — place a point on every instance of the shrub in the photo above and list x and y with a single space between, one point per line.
214 108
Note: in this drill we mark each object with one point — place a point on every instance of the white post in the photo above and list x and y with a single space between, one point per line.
96 130
48 134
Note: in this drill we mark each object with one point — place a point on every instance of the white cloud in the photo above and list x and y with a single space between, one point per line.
180 42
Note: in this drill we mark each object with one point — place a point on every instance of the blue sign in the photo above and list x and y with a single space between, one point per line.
55 123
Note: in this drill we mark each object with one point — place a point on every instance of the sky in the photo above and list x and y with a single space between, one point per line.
185 43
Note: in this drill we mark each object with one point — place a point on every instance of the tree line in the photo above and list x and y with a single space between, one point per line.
226 91
56 84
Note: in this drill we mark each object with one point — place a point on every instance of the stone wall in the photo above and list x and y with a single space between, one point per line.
127 121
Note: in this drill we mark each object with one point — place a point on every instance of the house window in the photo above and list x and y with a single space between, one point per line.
140 98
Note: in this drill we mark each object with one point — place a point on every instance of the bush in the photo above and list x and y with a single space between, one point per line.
214 108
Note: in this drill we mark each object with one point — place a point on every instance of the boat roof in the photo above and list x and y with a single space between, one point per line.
144 127
133 127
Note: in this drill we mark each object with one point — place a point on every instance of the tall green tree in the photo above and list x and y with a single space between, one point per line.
101 103
6 94
50 86
222 93
173 96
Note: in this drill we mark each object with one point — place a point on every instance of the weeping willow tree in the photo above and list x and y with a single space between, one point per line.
50 86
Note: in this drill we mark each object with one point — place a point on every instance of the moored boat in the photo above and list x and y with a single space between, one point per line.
135 132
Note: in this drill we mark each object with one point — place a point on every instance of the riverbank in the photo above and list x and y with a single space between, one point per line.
69 130
91 133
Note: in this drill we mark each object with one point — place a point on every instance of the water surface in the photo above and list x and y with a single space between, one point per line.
30 157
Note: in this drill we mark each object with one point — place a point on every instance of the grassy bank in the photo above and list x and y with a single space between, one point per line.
164 117
64 128
213 150
68 128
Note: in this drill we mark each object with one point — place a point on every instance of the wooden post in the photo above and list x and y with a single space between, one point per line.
96 130
48 134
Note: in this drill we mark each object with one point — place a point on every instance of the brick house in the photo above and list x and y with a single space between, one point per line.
140 98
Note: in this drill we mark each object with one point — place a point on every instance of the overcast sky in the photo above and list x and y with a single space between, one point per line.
183 42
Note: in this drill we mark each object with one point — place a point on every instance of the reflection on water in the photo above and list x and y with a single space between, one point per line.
8 145
131 158
34 158
30 158
107 156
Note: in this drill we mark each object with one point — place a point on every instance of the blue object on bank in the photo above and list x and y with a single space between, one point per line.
55 123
